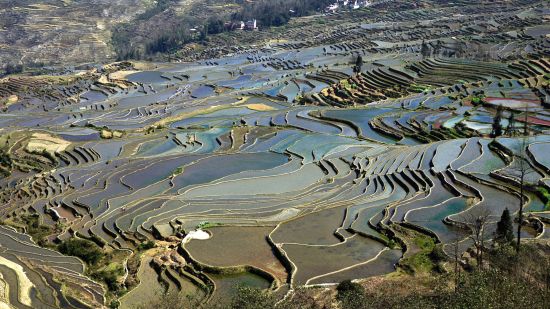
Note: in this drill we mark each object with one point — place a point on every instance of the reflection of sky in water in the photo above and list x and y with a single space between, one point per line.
273 91
202 92
93 96
243 81
80 137
437 102
146 99
148 77
482 118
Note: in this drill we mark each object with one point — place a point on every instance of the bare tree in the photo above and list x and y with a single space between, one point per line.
424 50
456 242
497 125
523 168
511 128
358 64
476 220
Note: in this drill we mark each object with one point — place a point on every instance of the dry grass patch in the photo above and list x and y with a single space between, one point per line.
122 75
43 142
260 107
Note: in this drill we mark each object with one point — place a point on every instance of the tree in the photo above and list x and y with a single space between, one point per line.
523 168
497 126
215 25
511 128
438 47
476 220
204 33
110 276
13 68
424 50
456 242
358 64
505 229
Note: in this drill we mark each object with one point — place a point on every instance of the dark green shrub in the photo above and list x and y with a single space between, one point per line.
38 231
505 228
438 255
110 277
350 294
87 250
146 245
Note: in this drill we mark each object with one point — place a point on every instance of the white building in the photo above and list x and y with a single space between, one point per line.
343 4
332 8
251 25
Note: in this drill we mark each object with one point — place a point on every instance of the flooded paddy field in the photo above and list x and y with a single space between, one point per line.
276 166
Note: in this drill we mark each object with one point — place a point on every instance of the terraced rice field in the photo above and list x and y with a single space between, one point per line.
290 168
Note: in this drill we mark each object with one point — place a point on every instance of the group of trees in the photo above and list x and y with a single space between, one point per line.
124 35
268 13
101 266
181 33
187 30
277 13
498 130
497 122
358 64
86 250
13 68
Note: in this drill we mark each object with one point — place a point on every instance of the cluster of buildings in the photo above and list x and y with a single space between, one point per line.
249 25
347 4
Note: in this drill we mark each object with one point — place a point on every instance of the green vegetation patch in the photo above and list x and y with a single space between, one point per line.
350 294
420 88
146 245
109 274
207 224
545 196
178 171
86 250
427 259
35 229
477 99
